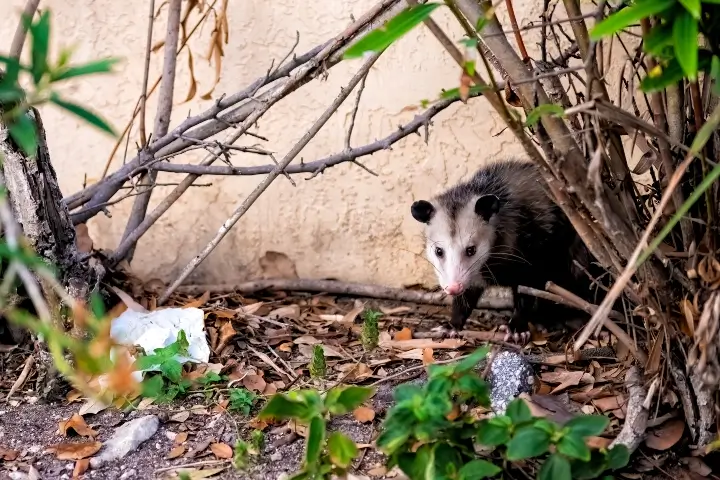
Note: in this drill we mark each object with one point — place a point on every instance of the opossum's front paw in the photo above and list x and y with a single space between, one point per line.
520 338
446 331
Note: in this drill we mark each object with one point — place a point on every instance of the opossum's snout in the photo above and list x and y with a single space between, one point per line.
454 288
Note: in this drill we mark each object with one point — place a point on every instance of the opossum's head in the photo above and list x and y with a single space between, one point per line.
458 239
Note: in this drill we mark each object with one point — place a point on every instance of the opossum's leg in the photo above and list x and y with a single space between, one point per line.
463 305
518 328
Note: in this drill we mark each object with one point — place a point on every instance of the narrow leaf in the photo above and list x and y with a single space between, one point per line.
693 7
629 16
40 33
81 112
468 363
685 36
384 36
315 439
99 66
545 109
22 130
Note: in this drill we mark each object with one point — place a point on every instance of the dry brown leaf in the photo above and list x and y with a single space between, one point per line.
76 424
597 442
221 450
665 436
688 327
306 340
74 451
428 356
358 373
377 471
465 82
180 438
8 454
193 83
73 396
404 334
697 466
277 265
254 383
81 466
197 303
609 403
270 389
364 414
82 238
653 362
227 332
286 347
449 343
176 451
180 417
290 311
257 424
349 318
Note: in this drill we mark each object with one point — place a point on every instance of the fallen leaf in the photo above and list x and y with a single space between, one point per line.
180 438
306 340
428 356
377 471
609 403
349 318
404 334
221 450
286 347
597 442
227 332
277 265
176 451
92 407
198 302
81 466
74 451
395 311
254 383
257 424
270 389
82 238
449 343
8 454
290 311
364 414
76 424
666 435
180 417
697 466
198 474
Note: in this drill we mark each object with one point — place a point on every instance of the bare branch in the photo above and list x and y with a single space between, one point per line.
247 203
20 32
146 73
162 118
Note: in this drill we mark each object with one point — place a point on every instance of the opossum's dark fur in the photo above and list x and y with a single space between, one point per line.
527 223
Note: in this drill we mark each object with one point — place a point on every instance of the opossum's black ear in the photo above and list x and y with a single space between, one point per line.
422 211
487 206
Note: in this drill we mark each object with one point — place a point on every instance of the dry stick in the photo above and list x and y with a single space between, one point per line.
214 124
265 105
240 211
334 287
146 74
601 314
20 32
516 31
162 120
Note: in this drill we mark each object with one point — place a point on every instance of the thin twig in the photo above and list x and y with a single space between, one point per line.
146 74
18 40
162 119
248 202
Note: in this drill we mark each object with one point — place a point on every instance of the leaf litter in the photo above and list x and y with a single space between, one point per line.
262 344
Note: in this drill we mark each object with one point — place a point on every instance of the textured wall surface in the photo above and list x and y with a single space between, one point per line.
345 223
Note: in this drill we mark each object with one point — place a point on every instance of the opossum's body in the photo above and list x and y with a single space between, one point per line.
501 228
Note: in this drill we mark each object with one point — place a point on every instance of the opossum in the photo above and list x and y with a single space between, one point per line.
502 228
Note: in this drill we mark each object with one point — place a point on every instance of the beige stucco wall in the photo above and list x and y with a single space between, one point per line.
346 223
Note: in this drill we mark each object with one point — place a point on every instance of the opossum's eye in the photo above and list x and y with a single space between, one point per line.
470 251
439 252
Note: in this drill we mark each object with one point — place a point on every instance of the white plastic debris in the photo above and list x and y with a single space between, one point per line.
160 328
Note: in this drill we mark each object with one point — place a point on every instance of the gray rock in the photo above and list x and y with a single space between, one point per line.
126 439
510 375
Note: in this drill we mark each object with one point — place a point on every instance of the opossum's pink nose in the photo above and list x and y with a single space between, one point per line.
454 288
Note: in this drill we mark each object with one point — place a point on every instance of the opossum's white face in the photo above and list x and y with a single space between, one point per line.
458 243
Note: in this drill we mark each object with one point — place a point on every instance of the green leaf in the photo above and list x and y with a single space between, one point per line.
384 36
533 117
618 457
172 369
390 439
40 33
527 442
658 38
556 467
454 93
12 70
81 112
518 411
342 450
448 461
438 386
280 407
152 387
99 66
662 77
685 36
715 73
573 446
437 406
589 469
693 7
419 465
478 469
346 399
406 392
473 386
471 361
315 440
628 16
494 431
22 130
241 400
588 425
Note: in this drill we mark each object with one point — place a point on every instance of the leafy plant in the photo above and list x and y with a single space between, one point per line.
242 400
169 382
325 455
427 436
370 335
317 364
241 454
